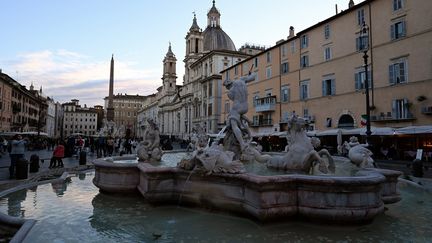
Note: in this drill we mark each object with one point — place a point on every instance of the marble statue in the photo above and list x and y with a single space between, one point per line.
301 154
358 153
213 159
199 137
238 135
109 128
149 149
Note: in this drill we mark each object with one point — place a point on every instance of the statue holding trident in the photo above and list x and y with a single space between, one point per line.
237 122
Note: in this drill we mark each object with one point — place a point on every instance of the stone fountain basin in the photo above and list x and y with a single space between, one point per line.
356 199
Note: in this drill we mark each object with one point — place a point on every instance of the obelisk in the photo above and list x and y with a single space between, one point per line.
110 108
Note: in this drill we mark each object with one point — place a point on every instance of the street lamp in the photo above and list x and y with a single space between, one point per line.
364 41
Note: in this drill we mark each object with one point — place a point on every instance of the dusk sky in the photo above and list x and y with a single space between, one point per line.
66 46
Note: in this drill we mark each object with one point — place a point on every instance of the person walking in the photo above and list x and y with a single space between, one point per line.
58 154
17 152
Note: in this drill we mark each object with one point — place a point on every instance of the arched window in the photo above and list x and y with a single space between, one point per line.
346 121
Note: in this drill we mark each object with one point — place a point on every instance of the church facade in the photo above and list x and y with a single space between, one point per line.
178 108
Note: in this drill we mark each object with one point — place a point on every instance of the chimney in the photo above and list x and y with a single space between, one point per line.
336 8
351 4
291 32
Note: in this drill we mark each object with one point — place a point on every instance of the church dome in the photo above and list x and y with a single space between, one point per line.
216 39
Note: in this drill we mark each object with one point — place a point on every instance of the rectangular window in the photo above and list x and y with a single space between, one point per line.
398 72
304 90
285 94
235 70
304 41
360 78
293 46
210 109
256 62
268 72
284 50
362 42
255 120
227 108
210 89
284 68
327 31
255 99
304 61
360 16
328 87
327 53
397 4
400 109
268 57
398 30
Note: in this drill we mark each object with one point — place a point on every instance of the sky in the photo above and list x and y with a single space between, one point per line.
65 47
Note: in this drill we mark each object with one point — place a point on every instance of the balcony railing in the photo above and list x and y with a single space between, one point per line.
262 122
265 104
427 110
389 117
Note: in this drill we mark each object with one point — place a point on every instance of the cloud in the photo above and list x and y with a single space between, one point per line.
66 75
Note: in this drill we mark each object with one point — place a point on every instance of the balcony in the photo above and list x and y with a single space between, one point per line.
427 110
389 117
265 104
262 123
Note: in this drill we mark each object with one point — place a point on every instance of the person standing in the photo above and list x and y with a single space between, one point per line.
58 154
17 152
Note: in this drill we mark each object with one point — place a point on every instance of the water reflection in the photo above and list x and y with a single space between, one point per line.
60 187
85 215
14 203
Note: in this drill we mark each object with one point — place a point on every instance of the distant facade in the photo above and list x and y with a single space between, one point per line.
77 119
126 108
319 73
21 109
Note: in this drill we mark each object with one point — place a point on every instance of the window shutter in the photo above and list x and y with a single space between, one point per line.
289 94
402 72
391 75
333 87
392 32
323 88
403 28
394 109
357 81
405 108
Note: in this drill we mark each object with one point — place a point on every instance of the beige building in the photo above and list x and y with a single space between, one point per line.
125 110
22 109
319 73
5 102
77 119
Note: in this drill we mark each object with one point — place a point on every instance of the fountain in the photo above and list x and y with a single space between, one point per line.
215 177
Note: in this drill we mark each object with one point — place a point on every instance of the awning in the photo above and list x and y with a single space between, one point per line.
414 130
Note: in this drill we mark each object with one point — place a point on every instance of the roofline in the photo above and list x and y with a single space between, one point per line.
343 12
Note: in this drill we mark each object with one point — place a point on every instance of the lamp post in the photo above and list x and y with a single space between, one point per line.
364 41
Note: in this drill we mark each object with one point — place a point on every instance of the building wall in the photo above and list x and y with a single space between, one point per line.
345 61
5 106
